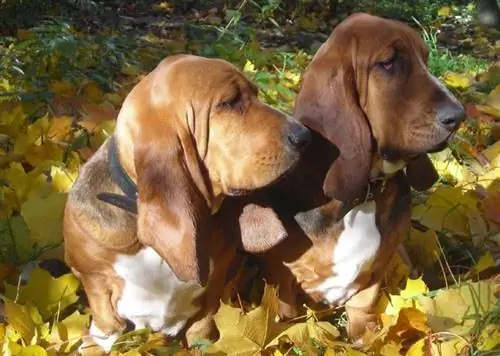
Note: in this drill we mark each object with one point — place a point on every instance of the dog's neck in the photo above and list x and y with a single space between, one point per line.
128 200
301 194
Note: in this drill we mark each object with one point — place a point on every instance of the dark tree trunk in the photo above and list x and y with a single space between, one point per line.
488 13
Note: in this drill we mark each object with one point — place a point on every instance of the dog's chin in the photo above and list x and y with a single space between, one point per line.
242 192
443 144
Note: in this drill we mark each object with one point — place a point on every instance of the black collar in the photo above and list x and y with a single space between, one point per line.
374 189
128 201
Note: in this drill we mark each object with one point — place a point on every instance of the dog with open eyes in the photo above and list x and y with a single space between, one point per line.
137 225
375 111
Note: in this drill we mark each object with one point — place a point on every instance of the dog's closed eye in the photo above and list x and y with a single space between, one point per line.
234 102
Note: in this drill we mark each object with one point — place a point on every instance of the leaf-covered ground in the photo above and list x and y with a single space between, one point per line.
61 87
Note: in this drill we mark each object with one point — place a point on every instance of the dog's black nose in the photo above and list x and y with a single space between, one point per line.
450 116
299 136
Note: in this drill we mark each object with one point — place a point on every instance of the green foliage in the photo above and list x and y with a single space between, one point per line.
54 50
426 10
442 60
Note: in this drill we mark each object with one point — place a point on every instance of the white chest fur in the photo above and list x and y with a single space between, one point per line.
355 250
152 295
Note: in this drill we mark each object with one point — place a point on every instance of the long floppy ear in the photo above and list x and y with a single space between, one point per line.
328 103
261 228
172 213
421 173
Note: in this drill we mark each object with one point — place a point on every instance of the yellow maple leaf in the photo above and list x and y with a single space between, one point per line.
456 80
22 143
248 334
414 287
448 167
32 350
23 319
12 119
453 209
18 180
48 294
456 309
302 333
60 127
43 213
392 304
432 347
38 130
67 333
62 179
49 151
411 323
422 247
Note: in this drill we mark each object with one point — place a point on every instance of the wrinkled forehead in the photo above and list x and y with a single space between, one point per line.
203 75
377 34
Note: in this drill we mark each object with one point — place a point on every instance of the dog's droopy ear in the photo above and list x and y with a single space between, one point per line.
421 173
172 213
327 104
261 228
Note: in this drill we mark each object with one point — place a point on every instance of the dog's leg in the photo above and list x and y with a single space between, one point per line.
203 328
361 312
106 325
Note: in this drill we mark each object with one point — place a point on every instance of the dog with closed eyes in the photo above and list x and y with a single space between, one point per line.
375 111
138 226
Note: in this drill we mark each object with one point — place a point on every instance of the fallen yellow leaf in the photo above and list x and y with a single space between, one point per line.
47 293
67 334
411 323
453 347
32 350
454 310
414 287
43 215
456 80
422 247
248 334
444 11
20 319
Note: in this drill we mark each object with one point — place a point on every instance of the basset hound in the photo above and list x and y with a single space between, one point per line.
138 229
376 112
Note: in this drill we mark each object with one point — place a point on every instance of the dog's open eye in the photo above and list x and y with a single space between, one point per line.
235 102
388 64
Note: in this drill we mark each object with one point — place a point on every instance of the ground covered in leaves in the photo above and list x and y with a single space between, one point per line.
61 86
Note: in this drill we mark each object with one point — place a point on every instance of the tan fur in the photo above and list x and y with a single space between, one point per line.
380 121
190 133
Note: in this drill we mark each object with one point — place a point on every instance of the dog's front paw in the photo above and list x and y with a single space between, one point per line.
99 337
